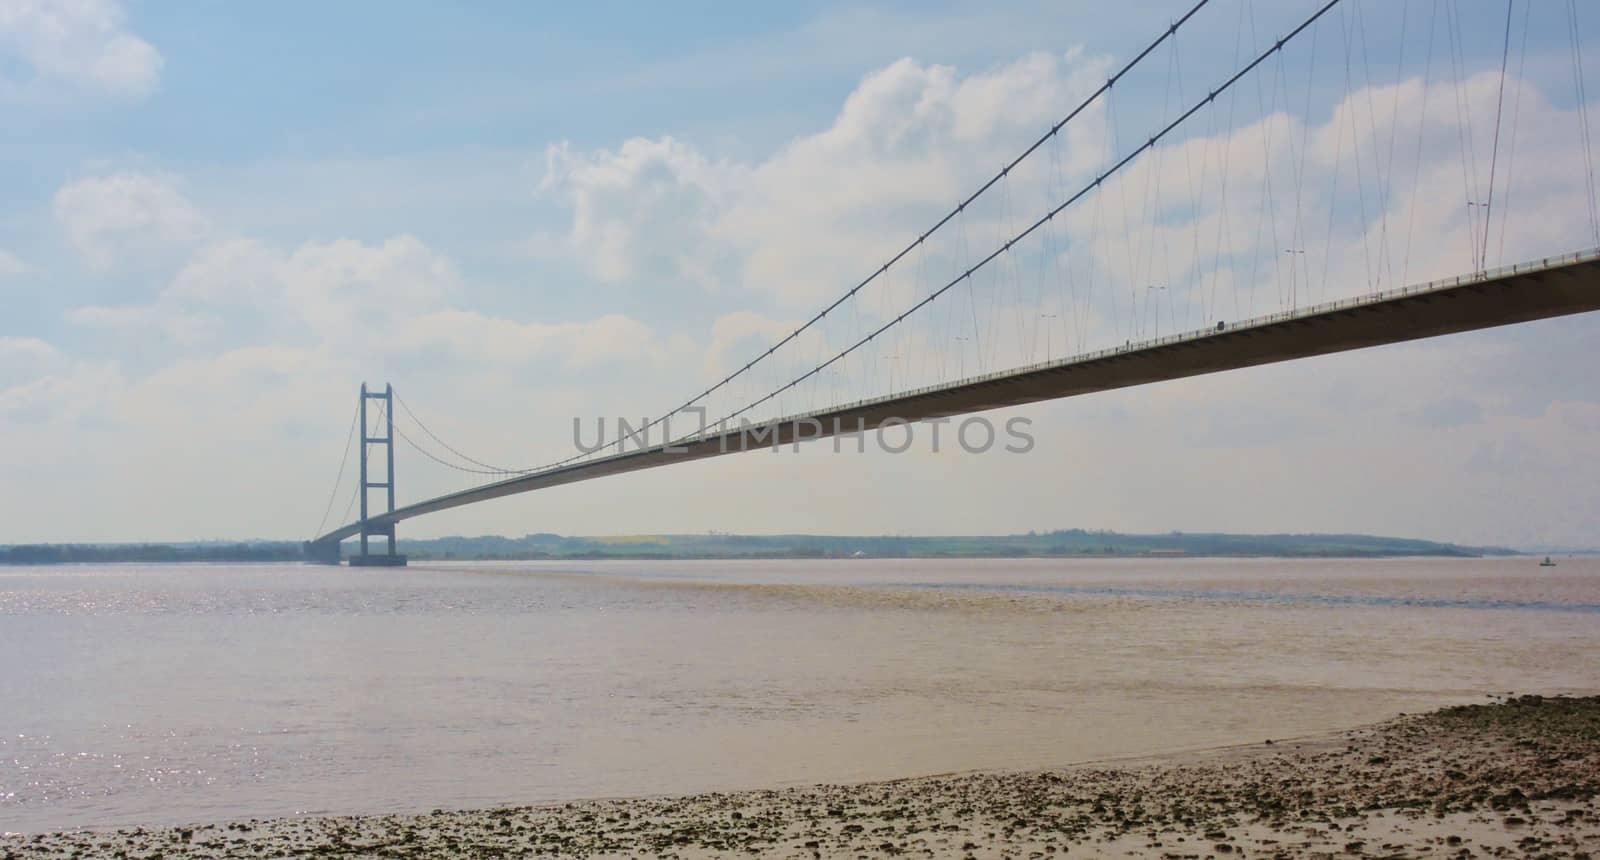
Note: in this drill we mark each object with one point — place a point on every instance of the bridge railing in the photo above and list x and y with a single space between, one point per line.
1542 264
711 433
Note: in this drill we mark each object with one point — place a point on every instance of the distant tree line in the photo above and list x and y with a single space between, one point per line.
148 553
1053 544
1058 543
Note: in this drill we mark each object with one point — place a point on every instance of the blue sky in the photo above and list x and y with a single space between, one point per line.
217 220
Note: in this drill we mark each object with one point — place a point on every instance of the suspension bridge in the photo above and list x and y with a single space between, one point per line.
1254 235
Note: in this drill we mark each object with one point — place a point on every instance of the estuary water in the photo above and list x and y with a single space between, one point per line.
143 695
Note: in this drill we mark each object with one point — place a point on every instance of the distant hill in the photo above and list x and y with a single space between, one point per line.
1064 543
1061 543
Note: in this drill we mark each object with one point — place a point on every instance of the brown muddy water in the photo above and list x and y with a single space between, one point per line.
134 694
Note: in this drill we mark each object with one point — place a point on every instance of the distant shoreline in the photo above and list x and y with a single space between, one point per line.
180 558
1059 544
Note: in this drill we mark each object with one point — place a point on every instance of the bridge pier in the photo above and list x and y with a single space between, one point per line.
320 552
377 559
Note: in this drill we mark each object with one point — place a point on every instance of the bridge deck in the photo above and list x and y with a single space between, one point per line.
1547 288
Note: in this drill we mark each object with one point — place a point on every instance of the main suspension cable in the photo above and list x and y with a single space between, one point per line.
1048 216
441 461
492 469
953 214
344 459
1494 150
965 275
959 209
1583 121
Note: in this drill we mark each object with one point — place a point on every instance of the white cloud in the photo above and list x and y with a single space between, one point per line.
10 265
333 289
300 327
806 223
468 334
179 327
642 211
818 215
76 46
23 359
13 347
51 404
250 384
340 285
737 336
353 301
282 329
231 271
127 216
346 292
802 225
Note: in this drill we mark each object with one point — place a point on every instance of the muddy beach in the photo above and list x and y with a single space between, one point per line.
1511 778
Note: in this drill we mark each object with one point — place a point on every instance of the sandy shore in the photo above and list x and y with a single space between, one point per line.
1518 778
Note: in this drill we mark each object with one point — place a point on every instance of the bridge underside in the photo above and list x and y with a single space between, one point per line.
1522 293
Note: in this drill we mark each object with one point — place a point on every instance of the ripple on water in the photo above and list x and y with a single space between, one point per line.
143 694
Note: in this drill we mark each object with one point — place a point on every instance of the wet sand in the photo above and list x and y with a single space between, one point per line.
1513 778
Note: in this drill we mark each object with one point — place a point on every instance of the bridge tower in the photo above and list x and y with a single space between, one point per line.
383 527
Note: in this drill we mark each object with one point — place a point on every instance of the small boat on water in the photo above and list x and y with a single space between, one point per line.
1547 562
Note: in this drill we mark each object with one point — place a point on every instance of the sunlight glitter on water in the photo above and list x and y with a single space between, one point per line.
150 694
